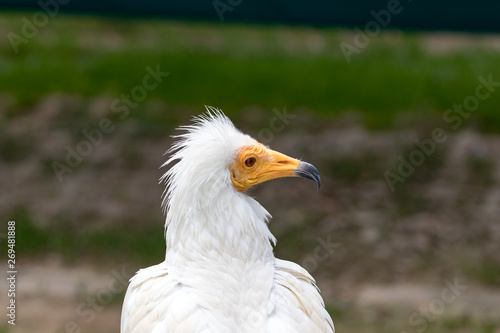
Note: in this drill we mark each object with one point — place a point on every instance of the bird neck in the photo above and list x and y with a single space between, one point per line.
224 227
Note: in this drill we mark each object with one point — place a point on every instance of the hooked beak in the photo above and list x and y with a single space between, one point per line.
308 171
265 164
285 166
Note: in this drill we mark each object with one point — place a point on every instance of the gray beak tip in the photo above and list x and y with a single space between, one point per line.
308 171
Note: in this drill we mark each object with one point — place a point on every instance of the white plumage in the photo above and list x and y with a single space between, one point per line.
220 274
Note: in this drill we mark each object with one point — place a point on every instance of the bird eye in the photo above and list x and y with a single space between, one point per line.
249 162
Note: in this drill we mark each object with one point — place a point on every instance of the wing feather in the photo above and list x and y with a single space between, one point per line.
157 302
144 298
298 301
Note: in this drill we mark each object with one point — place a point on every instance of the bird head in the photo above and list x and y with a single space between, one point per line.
255 163
213 155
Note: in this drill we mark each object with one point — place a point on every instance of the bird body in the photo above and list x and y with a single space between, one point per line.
220 274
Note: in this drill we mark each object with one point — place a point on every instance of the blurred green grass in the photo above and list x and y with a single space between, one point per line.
234 66
145 245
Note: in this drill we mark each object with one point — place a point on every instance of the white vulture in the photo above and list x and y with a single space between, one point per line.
220 274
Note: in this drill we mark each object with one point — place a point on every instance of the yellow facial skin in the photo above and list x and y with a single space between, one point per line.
256 164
